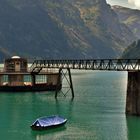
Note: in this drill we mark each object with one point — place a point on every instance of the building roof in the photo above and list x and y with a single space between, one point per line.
15 57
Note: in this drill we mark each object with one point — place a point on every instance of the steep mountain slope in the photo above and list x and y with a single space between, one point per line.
27 30
103 21
130 17
93 22
61 29
133 51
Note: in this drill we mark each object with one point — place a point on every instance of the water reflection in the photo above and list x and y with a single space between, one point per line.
133 127
96 113
67 107
53 133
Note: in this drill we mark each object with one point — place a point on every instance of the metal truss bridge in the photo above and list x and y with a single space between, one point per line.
64 66
88 64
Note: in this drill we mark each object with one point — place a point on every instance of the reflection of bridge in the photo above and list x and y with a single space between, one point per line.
130 65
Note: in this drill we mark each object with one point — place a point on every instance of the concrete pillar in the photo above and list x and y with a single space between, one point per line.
133 94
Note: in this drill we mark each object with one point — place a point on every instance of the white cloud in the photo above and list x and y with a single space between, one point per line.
131 1
135 2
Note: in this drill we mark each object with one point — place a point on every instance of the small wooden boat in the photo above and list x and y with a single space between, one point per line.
48 122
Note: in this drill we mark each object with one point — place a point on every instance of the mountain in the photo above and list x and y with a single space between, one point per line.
61 29
133 51
130 17
93 25
27 30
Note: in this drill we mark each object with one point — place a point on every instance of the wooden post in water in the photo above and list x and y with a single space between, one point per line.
133 94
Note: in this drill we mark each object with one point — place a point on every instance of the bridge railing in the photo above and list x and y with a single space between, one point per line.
94 64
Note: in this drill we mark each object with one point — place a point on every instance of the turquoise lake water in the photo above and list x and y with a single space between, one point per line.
96 113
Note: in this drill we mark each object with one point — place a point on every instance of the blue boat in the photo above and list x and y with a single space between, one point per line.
48 122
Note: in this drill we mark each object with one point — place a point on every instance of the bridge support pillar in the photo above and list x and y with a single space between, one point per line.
59 83
71 84
67 76
133 94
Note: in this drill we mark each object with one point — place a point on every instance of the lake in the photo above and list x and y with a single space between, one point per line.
96 113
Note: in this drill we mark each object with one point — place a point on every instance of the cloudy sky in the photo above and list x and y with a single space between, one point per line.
126 3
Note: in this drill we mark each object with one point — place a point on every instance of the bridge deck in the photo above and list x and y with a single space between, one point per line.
89 64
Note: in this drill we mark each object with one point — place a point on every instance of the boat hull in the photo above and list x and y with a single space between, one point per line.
30 88
39 128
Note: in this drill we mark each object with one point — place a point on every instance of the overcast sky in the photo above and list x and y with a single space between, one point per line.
126 3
